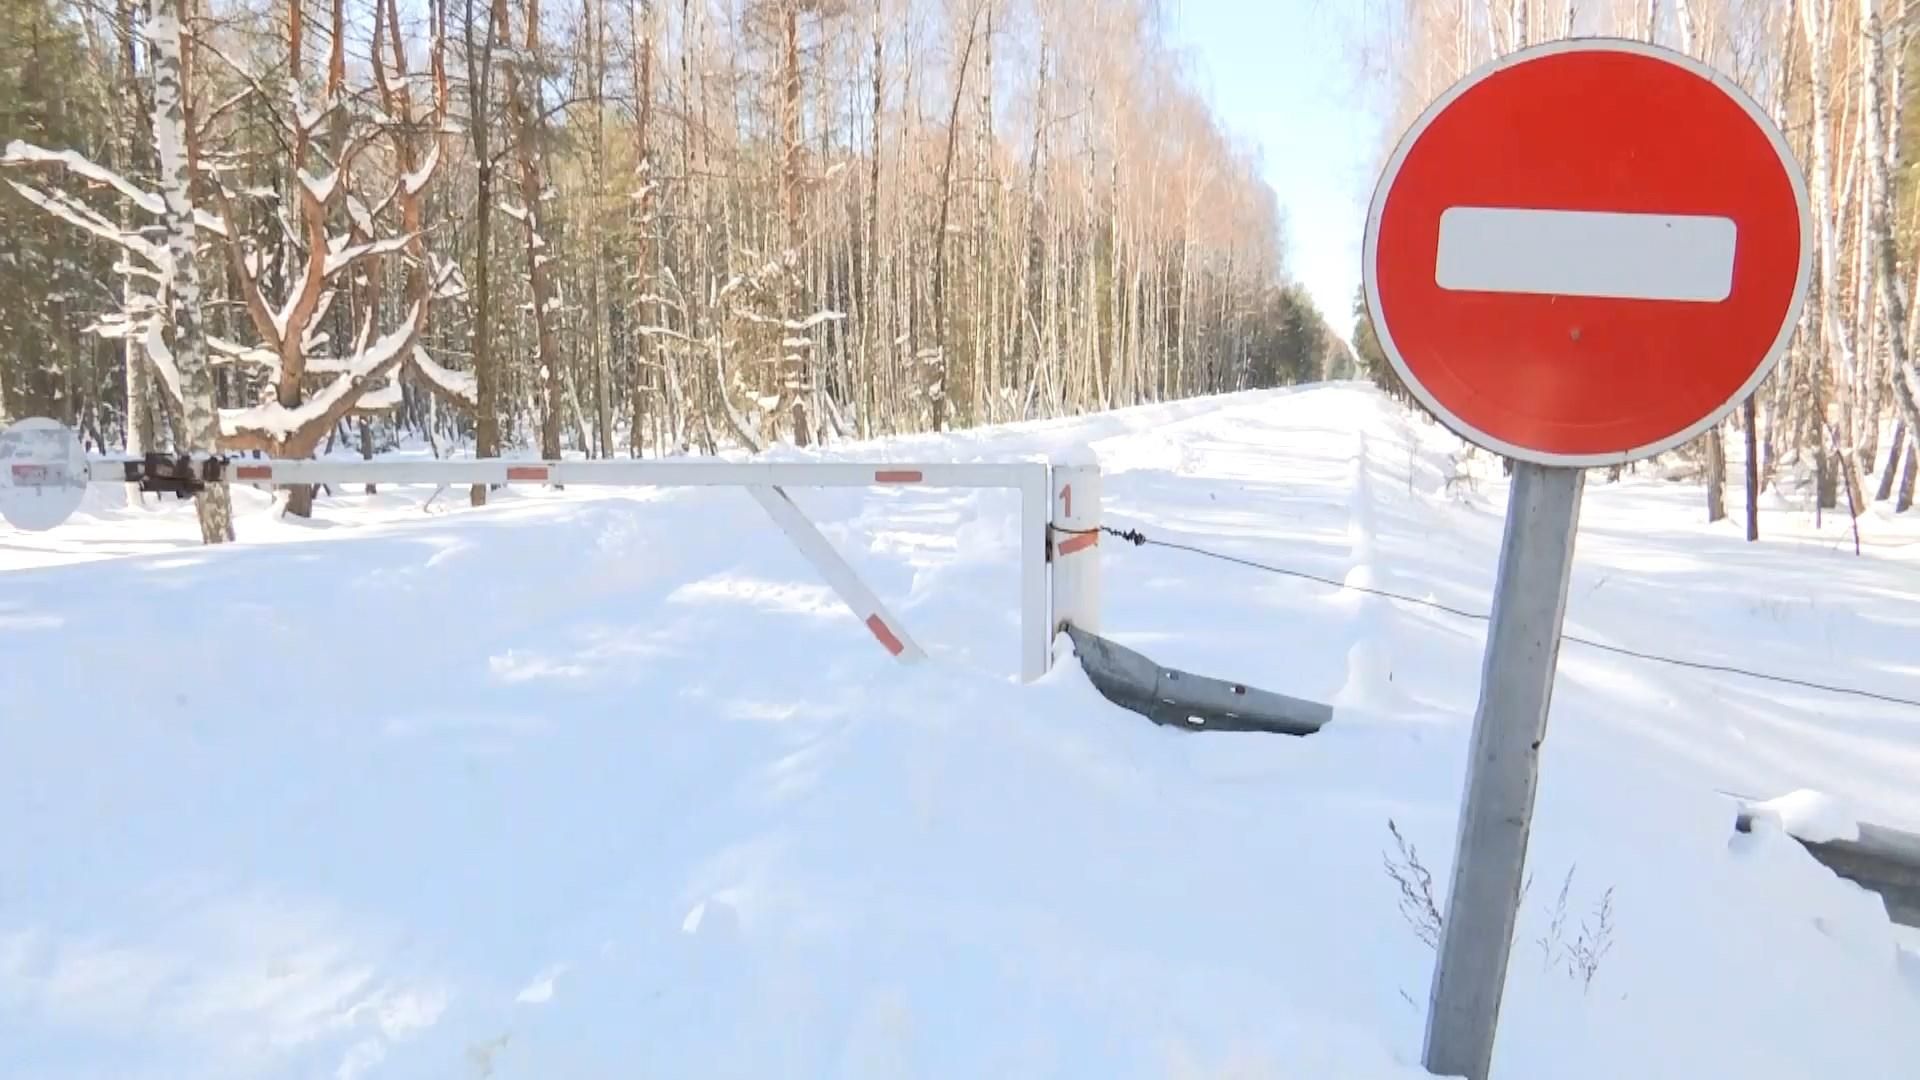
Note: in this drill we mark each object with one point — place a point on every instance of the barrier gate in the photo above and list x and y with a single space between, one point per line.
1059 508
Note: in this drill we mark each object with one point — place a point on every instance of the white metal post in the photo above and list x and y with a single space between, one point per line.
1036 624
1075 547
888 630
1503 768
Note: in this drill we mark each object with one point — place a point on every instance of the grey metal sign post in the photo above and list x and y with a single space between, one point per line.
1503 767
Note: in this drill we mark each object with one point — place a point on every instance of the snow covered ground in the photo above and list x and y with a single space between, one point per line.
586 784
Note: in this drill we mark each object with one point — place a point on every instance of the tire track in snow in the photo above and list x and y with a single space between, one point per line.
1401 663
1368 685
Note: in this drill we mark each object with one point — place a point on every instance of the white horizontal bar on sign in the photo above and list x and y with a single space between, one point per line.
1678 257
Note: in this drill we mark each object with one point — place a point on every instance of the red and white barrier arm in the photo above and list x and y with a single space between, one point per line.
1030 479
623 472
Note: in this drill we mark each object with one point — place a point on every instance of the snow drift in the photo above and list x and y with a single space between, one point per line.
587 784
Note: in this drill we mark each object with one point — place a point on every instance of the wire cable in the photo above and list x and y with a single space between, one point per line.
1139 539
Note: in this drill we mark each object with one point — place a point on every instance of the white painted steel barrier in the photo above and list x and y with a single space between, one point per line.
1059 571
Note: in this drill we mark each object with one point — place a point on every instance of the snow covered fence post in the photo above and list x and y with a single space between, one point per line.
1074 548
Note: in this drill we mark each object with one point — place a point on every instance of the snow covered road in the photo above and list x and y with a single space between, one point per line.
587 784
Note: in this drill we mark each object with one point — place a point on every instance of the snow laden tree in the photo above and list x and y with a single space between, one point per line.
301 255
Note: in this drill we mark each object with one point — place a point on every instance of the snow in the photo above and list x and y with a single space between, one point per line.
306 117
357 213
383 397
77 213
161 353
416 181
220 348
19 153
277 421
321 188
1813 816
662 331
315 337
80 215
347 256
596 783
458 384
452 285
792 325
815 319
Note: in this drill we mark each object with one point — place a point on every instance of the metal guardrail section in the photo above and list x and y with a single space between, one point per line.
1884 860
1184 700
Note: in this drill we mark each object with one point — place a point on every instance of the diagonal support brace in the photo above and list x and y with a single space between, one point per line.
840 575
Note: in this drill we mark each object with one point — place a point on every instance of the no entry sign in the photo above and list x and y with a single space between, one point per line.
1587 252
1582 254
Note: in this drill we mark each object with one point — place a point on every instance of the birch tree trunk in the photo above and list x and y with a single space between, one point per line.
1894 454
523 104
594 13
1904 500
189 344
140 434
486 370
941 389
1815 21
1906 379
1715 441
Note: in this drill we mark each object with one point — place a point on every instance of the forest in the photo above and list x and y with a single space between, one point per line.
1838 419
637 227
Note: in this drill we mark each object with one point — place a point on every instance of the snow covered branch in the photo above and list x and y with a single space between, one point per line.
21 153
245 354
346 257
459 386
798 325
161 354
78 214
275 423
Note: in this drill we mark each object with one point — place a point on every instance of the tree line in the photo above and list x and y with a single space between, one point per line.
1841 414
618 227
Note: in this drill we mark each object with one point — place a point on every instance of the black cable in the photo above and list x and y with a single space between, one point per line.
1138 538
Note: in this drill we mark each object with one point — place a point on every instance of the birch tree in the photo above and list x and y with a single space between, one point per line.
185 355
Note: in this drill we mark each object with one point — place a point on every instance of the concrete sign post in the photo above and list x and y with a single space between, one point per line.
1584 254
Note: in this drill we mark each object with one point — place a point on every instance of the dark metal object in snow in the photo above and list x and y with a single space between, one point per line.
1884 860
1193 702
179 476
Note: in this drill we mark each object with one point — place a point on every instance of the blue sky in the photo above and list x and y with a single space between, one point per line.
1287 76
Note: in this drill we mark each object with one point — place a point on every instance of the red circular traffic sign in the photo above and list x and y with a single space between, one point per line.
1587 252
